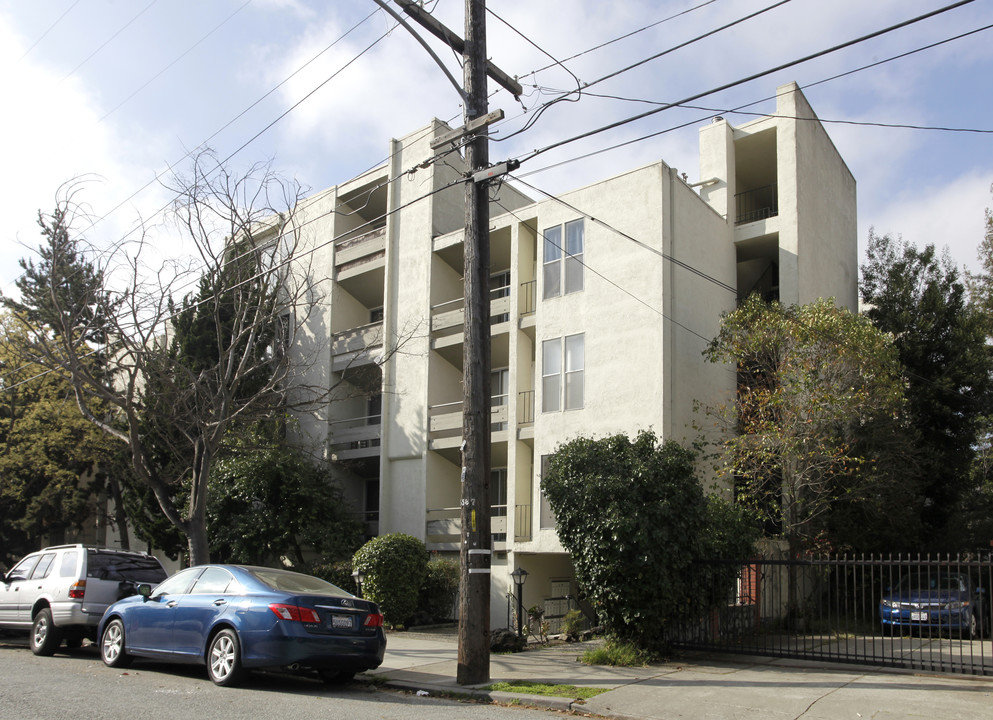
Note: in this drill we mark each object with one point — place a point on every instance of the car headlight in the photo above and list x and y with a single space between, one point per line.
888 603
957 605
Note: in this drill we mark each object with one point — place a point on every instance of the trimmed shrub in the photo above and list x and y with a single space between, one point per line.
394 566
440 589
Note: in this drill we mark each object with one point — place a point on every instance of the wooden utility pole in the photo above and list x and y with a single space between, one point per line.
476 551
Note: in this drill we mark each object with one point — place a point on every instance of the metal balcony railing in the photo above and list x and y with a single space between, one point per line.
756 204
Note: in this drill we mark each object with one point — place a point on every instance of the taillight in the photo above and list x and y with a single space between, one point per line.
294 613
373 620
77 590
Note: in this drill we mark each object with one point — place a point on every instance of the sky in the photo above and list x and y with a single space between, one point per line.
113 96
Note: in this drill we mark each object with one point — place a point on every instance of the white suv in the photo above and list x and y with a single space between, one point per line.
61 592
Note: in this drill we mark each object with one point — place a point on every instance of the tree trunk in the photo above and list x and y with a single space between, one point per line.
120 517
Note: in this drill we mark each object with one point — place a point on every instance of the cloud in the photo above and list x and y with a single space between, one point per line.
948 215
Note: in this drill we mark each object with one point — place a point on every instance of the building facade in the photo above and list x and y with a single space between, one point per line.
602 301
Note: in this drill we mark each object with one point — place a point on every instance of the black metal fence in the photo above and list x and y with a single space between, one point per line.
931 613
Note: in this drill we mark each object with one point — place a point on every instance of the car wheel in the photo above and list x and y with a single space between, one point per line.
112 645
45 637
224 658
971 630
335 677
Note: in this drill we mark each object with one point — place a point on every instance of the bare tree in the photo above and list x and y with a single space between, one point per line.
180 374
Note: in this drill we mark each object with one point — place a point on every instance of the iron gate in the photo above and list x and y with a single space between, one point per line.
931 613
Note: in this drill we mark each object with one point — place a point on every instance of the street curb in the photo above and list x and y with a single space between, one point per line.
544 702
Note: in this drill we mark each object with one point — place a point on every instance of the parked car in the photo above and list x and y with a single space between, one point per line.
936 600
62 592
234 618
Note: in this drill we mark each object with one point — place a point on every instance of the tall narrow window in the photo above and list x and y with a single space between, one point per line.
574 258
499 392
563 361
551 374
563 259
574 363
553 262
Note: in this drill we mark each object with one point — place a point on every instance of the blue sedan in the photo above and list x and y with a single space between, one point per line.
936 600
233 618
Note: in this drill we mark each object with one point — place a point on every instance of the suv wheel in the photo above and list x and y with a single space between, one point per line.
45 637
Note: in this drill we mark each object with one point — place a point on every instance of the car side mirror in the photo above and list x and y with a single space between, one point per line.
144 589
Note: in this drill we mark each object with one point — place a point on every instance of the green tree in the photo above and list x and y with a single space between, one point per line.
917 297
642 534
812 380
275 502
52 460
172 404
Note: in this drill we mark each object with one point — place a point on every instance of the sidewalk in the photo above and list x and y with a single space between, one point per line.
697 687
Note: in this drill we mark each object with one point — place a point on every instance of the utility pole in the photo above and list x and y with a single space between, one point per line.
476 541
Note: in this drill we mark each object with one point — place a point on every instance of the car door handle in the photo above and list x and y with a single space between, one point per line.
171 603
220 602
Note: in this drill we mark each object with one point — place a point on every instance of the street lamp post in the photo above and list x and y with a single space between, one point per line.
358 576
520 575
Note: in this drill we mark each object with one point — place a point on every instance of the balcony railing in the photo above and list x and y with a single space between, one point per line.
443 529
528 298
355 250
450 315
757 204
525 407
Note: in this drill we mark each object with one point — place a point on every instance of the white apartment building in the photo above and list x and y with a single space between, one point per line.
602 301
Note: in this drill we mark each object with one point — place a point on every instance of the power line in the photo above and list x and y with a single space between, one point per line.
714 112
741 81
739 109
50 28
109 40
623 37
534 118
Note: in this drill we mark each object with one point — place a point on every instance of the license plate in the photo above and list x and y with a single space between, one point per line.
919 616
343 622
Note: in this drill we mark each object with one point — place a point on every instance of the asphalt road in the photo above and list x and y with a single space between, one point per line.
76 685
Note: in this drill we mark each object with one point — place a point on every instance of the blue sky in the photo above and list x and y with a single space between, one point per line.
119 91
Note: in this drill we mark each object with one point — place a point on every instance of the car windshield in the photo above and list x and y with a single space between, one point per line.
931 581
295 582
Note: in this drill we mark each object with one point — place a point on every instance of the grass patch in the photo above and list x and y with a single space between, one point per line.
618 653
527 687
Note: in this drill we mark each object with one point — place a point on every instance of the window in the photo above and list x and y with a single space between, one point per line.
499 392
563 262
499 288
44 567
22 571
68 566
498 492
214 581
376 315
178 584
562 363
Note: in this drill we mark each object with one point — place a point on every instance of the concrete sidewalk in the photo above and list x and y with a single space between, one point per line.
698 686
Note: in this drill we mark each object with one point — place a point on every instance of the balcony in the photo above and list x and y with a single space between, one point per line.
356 437
448 318
359 346
445 420
444 527
359 253
758 204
